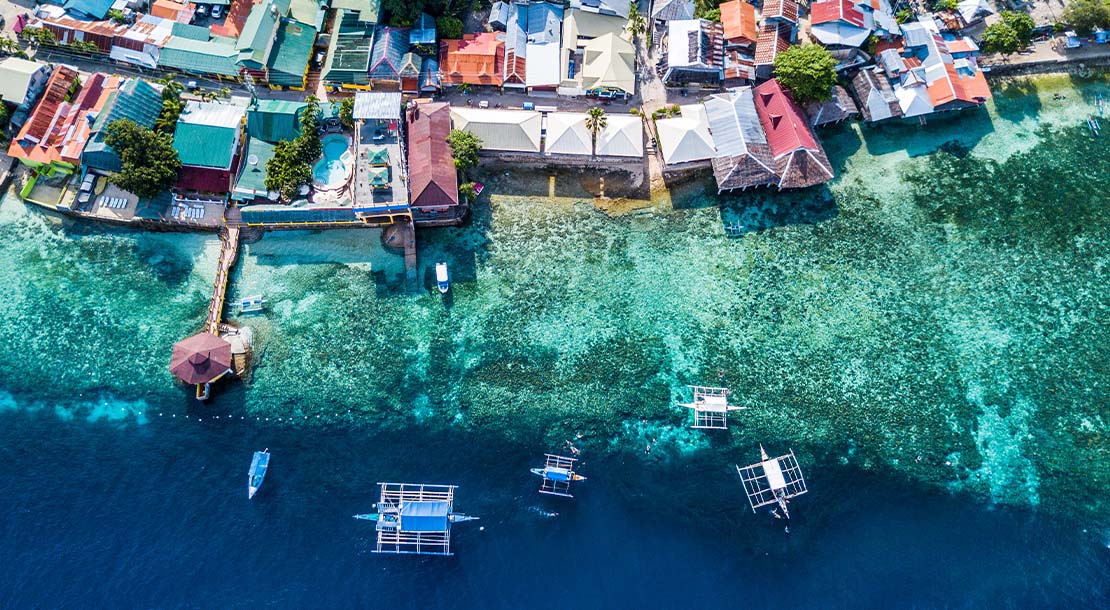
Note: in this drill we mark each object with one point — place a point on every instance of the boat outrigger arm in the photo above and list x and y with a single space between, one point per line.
453 517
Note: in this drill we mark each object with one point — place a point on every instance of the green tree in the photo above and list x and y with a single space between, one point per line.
595 122
1000 38
637 25
1021 23
464 147
1086 15
713 14
448 27
287 170
5 118
904 15
946 5
148 159
172 104
347 112
40 36
468 191
117 16
808 71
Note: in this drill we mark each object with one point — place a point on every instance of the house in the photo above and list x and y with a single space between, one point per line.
53 139
142 43
840 107
685 139
21 83
742 156
692 51
500 129
608 67
274 46
410 71
423 31
476 59
739 23
623 136
612 8
433 179
849 23
216 57
499 15
181 12
68 29
973 11
348 62
582 29
209 141
386 57
777 32
532 46
268 122
292 53
664 11
136 100
567 134
799 158
91 10
925 75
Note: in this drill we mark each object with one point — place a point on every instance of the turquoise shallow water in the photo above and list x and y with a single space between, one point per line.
934 320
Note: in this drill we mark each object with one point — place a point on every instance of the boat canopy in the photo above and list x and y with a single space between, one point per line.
425 516
556 474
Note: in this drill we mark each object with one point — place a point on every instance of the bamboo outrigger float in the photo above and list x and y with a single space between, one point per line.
710 407
558 473
414 518
773 481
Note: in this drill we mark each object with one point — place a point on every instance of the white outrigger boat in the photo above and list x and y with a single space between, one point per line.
443 280
252 304
257 473
557 473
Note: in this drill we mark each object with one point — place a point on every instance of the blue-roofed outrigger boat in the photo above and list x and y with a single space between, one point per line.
257 473
558 473
414 518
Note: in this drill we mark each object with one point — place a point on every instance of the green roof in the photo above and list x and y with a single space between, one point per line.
377 156
216 56
291 54
259 32
192 32
135 100
379 176
274 120
252 180
206 134
368 11
348 52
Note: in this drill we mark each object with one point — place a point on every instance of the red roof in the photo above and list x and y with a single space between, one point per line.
786 128
433 180
828 11
780 9
203 179
34 141
738 19
773 39
477 59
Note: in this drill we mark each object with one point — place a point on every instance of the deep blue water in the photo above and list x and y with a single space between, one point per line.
118 515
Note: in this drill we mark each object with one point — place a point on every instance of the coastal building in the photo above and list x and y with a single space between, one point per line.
476 59
532 46
692 52
840 107
623 136
742 156
348 61
739 23
596 55
268 122
501 129
433 179
380 181
685 140
22 81
209 141
849 23
777 32
567 134
929 73
58 128
135 100
800 160
664 11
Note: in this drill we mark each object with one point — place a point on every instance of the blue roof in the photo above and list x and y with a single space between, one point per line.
429 75
423 31
424 516
96 9
544 22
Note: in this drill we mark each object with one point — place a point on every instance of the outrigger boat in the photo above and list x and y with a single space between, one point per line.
415 518
252 304
558 473
257 473
443 281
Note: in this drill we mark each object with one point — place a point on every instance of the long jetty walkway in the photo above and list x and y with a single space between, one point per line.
229 251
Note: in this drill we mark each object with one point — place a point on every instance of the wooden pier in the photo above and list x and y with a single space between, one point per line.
229 252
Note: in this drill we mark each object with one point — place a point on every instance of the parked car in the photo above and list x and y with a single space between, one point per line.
217 11
202 10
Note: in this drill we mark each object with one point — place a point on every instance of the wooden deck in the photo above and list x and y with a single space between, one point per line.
229 252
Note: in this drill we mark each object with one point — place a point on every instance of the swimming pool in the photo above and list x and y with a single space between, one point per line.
334 168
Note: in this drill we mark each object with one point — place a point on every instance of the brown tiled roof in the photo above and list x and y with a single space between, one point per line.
477 59
780 9
433 181
773 39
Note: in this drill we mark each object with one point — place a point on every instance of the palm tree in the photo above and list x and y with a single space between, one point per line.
637 25
595 122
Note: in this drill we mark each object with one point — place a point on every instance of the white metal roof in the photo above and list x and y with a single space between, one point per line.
567 134
609 61
623 137
15 77
678 42
381 105
212 114
500 129
543 64
686 138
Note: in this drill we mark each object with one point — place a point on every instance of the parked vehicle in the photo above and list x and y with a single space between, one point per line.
217 11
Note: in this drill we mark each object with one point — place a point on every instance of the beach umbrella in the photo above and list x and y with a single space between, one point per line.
200 358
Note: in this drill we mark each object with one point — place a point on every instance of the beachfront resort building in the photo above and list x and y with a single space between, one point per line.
52 139
433 179
501 129
135 100
930 72
209 141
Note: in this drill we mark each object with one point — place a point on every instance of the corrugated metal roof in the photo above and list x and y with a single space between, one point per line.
207 134
291 54
259 32
274 120
377 105
432 175
622 137
423 31
251 182
367 11
216 56
96 9
511 130
348 51
567 134
390 46
192 32
15 78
